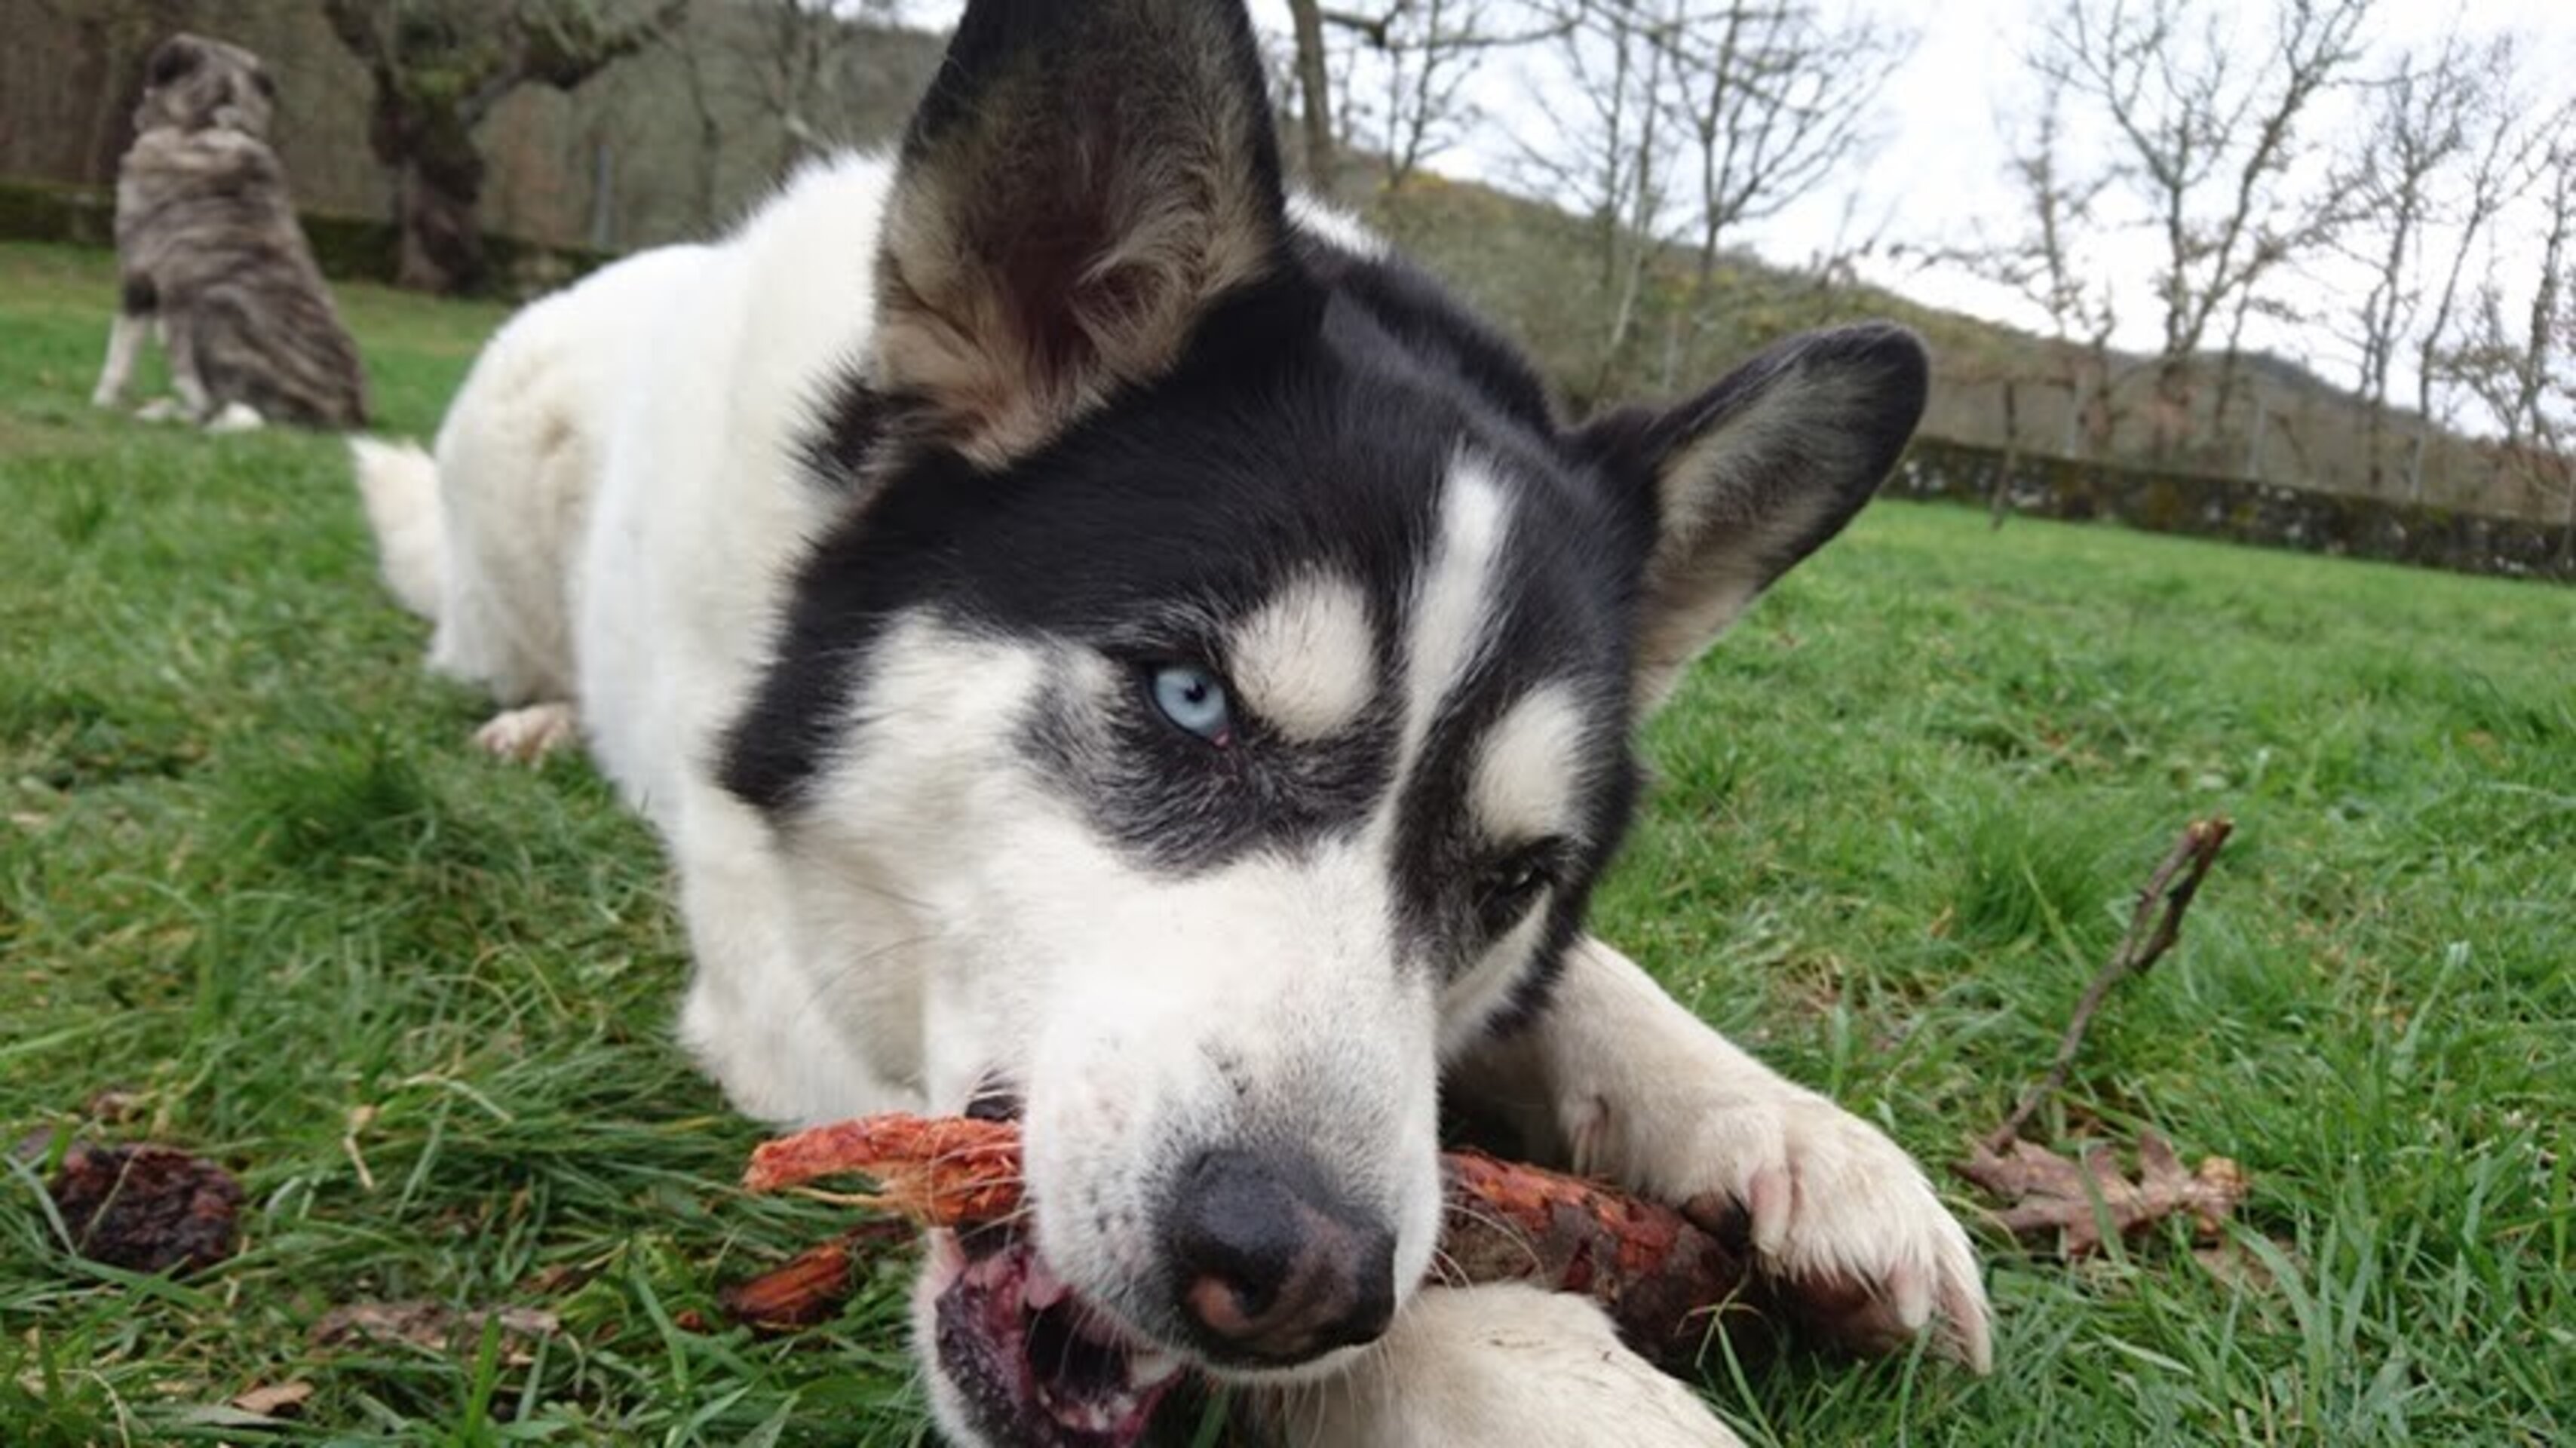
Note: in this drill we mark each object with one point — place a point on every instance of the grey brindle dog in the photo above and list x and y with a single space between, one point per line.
211 256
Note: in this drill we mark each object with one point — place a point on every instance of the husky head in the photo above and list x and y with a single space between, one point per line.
1218 695
191 83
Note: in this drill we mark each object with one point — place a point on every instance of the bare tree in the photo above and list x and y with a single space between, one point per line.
1314 90
1604 148
2524 370
795 56
439 67
2208 124
2509 157
1422 56
2422 126
2046 260
1773 96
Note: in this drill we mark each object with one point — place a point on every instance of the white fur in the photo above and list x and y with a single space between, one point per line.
1334 226
1448 616
618 516
1306 661
1639 1091
1506 1363
1528 767
399 487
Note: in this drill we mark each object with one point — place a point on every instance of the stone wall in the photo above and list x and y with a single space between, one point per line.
2267 514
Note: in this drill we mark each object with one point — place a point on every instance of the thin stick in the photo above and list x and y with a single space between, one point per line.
2152 931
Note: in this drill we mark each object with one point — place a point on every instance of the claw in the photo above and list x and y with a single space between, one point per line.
1909 1290
1769 1199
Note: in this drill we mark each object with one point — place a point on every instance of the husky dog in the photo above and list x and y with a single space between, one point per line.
211 254
1106 643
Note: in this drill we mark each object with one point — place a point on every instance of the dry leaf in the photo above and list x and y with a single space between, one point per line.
277 1400
437 1327
2045 1193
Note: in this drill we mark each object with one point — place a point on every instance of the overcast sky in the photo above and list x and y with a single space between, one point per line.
1936 168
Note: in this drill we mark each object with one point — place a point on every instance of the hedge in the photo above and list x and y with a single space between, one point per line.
2266 514
349 248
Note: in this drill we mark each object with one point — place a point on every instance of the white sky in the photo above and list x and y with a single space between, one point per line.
1936 167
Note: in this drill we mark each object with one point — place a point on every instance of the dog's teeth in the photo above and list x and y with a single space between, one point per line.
1150 1369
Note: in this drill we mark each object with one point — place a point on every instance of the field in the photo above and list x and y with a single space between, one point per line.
257 897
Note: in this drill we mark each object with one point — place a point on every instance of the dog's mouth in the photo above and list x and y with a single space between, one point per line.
1034 1364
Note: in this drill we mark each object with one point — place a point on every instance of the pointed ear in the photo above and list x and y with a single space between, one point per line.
1083 181
1755 474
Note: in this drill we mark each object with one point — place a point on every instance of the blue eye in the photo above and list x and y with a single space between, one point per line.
1193 699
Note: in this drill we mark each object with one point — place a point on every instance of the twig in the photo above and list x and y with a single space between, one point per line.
2152 931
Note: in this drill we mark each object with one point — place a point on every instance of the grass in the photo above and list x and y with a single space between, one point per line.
252 882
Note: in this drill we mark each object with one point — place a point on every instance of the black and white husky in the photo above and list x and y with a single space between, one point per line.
1107 642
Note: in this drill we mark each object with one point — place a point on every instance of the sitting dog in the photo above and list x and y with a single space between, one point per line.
1108 643
211 255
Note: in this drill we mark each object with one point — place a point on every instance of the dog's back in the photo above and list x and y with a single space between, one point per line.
485 540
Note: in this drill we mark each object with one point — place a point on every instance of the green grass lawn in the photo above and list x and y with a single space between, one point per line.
253 882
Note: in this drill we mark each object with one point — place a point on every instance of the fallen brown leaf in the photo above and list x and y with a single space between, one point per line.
276 1400
2044 1193
437 1327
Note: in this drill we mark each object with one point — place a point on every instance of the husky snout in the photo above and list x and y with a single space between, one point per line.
1273 1264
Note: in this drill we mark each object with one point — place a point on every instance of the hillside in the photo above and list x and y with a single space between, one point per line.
674 142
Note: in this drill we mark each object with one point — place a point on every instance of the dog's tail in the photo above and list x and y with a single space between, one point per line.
399 484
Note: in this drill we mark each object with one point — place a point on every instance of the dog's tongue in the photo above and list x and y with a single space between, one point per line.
1036 1365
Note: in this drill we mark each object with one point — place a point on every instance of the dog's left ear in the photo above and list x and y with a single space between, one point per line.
172 60
1084 181
1753 475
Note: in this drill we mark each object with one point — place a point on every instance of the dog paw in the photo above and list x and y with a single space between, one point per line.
1834 1207
236 417
161 409
1500 1363
524 736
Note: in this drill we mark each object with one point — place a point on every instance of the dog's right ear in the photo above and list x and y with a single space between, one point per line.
1084 180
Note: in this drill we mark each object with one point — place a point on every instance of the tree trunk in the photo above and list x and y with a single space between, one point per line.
1315 85
437 198
2001 503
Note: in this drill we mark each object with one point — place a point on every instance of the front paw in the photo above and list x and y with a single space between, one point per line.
1840 1212
1464 1367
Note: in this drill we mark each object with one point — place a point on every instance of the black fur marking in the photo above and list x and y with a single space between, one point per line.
140 297
851 424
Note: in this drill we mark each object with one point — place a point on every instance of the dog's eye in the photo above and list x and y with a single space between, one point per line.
1192 698
1514 881
1506 887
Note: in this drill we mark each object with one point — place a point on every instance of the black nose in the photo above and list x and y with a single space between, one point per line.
1273 1265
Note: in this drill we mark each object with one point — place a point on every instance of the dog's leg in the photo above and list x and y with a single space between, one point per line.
768 1031
527 735
124 341
1628 1085
1504 1363
179 339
